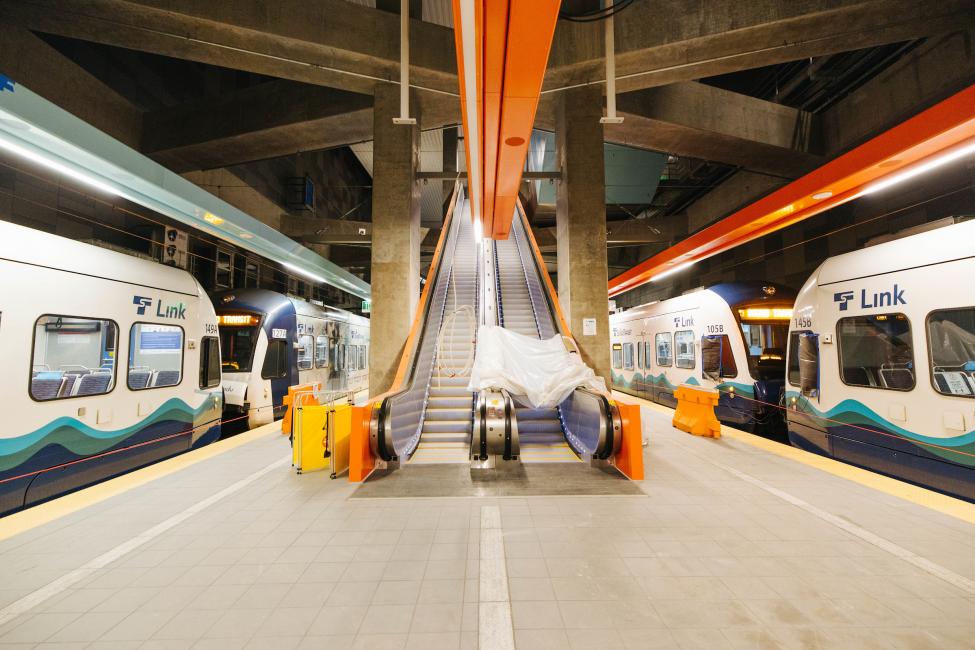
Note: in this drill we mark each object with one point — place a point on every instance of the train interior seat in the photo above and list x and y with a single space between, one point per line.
139 378
165 378
93 383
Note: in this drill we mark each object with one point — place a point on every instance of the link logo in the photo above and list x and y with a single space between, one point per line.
844 298
162 311
890 298
142 302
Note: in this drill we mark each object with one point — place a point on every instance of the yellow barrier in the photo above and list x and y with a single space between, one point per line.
695 411
322 437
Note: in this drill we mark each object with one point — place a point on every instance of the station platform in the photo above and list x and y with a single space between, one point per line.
736 542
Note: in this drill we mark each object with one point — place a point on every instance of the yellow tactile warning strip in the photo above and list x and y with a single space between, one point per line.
929 499
38 515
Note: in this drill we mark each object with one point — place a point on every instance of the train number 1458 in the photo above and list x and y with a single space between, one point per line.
715 329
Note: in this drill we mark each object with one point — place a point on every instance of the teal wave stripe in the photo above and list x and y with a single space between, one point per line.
83 440
661 381
855 413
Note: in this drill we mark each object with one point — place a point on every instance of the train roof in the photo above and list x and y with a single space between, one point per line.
267 301
924 249
733 294
30 246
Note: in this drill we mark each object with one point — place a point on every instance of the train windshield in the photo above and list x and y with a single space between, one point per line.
765 337
237 348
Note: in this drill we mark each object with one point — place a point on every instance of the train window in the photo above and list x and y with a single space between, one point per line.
275 360
306 351
321 352
793 373
684 342
617 355
365 357
155 356
210 362
628 356
876 351
237 347
665 349
72 357
808 359
639 354
647 353
362 357
717 357
951 340
765 346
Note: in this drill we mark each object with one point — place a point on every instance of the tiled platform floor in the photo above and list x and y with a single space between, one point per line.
704 559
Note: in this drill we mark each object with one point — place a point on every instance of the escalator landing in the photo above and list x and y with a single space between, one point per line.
534 479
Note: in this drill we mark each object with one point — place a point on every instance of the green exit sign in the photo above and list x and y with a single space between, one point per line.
366 306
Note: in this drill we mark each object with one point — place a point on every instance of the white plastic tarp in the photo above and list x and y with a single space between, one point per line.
541 373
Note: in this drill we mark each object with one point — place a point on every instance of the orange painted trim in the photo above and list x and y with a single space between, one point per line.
938 130
629 459
495 39
361 460
544 270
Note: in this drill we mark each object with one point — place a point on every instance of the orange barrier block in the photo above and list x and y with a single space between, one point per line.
695 411
288 401
361 460
629 459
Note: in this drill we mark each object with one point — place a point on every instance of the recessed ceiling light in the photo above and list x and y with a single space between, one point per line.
246 235
212 218
819 196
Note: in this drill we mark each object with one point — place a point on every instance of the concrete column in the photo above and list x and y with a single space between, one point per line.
395 235
581 222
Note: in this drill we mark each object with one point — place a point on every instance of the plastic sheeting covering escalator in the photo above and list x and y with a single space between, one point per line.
541 372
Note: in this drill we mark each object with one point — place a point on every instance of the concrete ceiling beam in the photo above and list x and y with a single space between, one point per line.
27 59
327 42
659 43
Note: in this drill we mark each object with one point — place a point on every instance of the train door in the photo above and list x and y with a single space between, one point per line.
806 431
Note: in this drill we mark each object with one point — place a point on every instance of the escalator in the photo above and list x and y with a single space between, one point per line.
539 430
430 416
445 435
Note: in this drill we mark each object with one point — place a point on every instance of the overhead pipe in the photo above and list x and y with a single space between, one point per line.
611 116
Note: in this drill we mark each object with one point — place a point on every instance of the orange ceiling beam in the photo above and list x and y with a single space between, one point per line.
513 40
933 136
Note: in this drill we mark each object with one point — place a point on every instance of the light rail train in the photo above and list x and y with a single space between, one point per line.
881 360
270 341
729 336
109 363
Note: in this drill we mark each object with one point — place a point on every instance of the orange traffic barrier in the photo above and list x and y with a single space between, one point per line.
695 411
629 459
289 401
361 460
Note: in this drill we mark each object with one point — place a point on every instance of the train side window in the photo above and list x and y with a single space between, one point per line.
639 355
628 356
717 357
276 360
876 351
155 356
951 341
617 356
684 342
72 357
792 372
808 361
321 352
647 353
362 357
210 362
306 351
665 349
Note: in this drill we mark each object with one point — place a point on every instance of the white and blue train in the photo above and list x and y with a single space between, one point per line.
881 360
271 341
109 363
729 336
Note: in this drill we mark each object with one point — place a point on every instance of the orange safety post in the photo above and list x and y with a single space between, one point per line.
289 401
361 460
629 459
695 411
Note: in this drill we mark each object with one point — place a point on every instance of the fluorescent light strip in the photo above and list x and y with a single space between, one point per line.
303 272
676 269
469 38
922 168
53 165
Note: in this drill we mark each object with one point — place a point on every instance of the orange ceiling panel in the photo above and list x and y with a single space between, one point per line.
513 43
930 137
